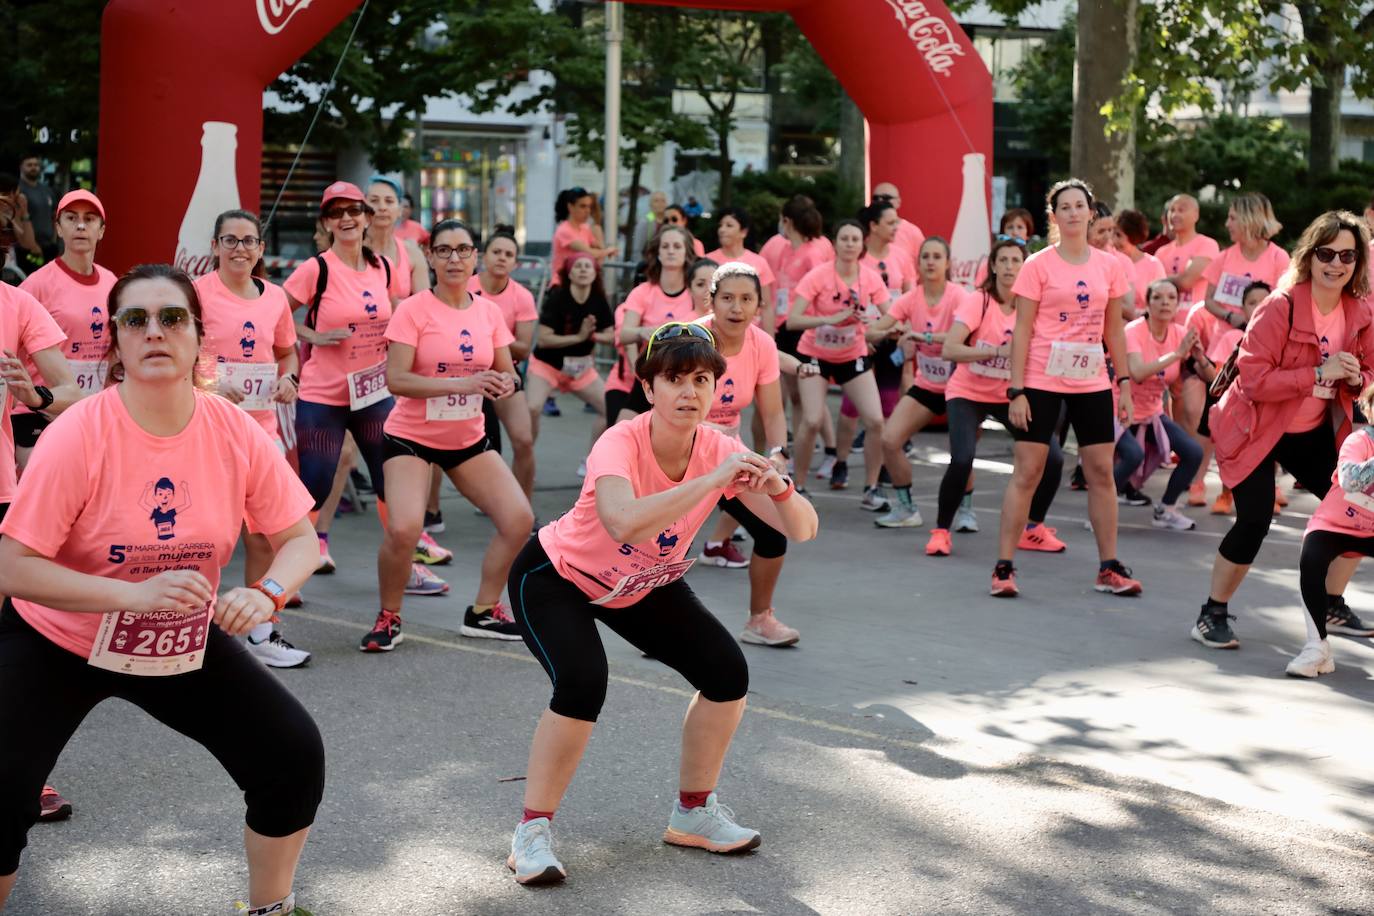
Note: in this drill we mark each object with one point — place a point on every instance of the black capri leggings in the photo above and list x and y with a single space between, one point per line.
964 418
235 707
1319 549
1309 456
670 624
769 542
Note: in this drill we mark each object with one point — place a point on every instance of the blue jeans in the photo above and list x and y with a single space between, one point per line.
1129 456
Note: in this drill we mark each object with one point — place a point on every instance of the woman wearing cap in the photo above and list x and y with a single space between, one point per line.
1308 351
574 232
347 306
450 351
574 318
73 289
495 284
249 354
409 273
104 605
619 556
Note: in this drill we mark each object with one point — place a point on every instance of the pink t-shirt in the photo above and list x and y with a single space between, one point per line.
825 294
449 343
413 231
352 299
104 497
761 266
910 238
1144 272
1330 335
793 264
516 302
240 331
78 304
1230 272
895 265
933 370
1066 340
1147 397
755 364
985 381
654 307
1224 344
578 544
402 283
563 237
25 327
1342 512
1176 258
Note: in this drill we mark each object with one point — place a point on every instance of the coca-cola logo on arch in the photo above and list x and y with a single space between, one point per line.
275 14
930 34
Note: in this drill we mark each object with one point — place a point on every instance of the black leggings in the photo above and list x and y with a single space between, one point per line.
769 542
670 624
320 432
1319 548
964 418
233 706
1309 456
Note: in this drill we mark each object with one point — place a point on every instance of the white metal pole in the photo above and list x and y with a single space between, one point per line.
615 31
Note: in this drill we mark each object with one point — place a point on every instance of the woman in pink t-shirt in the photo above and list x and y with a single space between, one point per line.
495 283
1068 307
1132 229
1307 352
449 351
662 297
921 318
1342 525
1251 224
619 556
733 226
109 599
979 344
833 306
1102 236
880 222
409 272
1156 347
249 355
575 231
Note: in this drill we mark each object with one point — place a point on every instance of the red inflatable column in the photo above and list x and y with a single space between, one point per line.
181 112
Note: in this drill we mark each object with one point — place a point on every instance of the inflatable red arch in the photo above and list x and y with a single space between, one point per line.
181 89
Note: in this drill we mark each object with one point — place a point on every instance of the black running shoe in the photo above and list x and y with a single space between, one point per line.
1213 631
839 475
385 635
1132 497
496 623
1341 619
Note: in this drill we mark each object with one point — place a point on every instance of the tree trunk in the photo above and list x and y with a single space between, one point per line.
1324 95
727 167
1108 32
852 159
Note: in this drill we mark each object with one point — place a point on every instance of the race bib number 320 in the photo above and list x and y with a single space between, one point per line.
155 644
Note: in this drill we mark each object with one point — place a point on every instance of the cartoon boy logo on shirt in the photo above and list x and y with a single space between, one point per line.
1081 294
249 339
727 394
163 502
97 323
666 542
465 346
369 305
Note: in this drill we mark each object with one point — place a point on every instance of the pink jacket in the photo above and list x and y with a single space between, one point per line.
1274 374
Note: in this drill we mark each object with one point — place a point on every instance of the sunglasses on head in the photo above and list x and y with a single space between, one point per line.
1327 255
679 329
135 318
353 210
1011 238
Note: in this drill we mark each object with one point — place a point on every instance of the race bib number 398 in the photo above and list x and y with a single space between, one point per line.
156 644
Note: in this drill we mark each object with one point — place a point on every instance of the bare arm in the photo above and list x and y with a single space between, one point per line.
419 269
55 371
402 380
25 573
1115 335
1191 274
524 339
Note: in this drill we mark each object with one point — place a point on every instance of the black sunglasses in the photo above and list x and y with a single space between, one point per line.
1327 255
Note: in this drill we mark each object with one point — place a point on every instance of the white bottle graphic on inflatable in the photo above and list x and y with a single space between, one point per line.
217 190
970 242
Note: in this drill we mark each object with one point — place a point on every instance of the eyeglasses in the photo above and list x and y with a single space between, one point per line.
249 242
444 252
1001 237
171 317
353 210
1327 255
679 329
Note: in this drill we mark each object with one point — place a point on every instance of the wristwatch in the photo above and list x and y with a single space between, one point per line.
1014 393
779 450
272 589
45 397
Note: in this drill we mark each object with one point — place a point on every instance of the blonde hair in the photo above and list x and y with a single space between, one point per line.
1255 216
1323 231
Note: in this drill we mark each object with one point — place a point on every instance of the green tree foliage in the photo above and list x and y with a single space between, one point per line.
1044 89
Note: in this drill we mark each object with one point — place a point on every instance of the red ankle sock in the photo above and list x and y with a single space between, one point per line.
531 814
690 800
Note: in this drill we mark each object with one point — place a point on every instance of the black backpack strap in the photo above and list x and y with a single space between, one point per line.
321 282
386 265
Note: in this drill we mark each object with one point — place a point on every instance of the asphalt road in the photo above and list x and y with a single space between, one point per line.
925 748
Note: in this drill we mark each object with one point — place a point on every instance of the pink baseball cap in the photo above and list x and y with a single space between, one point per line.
81 196
342 190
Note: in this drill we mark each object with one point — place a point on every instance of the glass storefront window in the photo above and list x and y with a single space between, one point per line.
480 180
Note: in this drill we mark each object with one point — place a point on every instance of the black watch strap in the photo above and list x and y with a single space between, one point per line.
44 395
1014 393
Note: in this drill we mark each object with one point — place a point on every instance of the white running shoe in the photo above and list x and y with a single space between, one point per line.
531 854
875 500
828 465
1169 517
275 652
898 517
965 519
1314 659
768 630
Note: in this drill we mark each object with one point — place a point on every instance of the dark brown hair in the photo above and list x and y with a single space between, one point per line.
183 282
653 270
805 218
565 273
1134 225
1068 184
1323 231
989 284
1016 213
678 356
